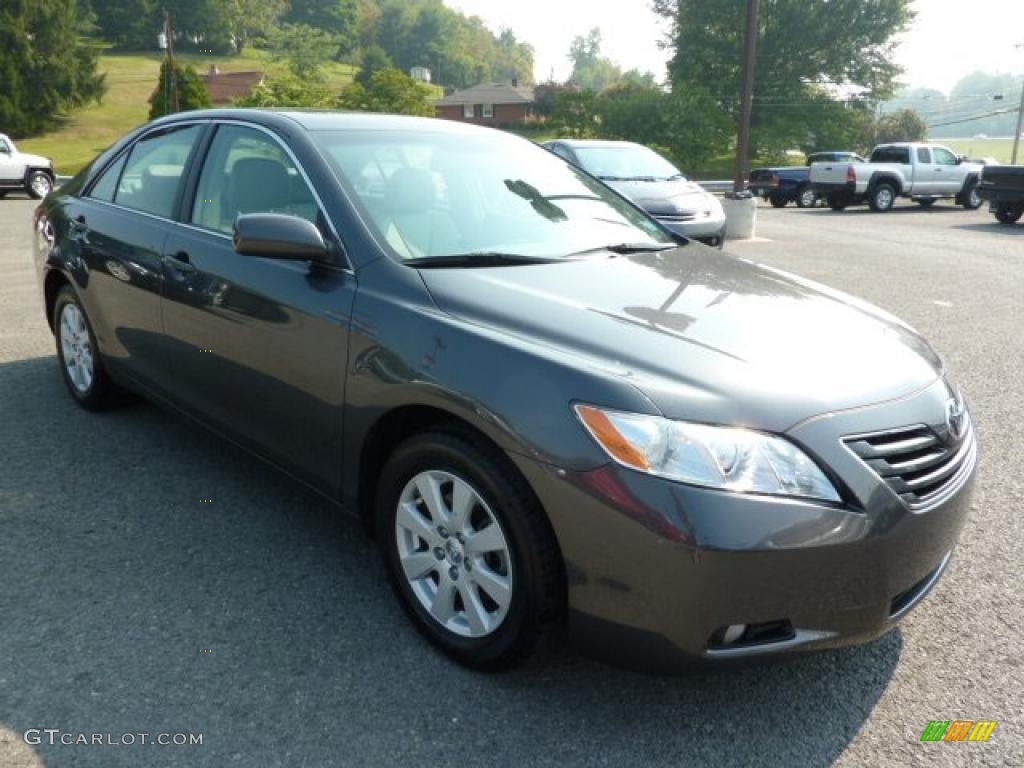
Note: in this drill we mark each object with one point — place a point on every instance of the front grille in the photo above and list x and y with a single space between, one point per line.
920 466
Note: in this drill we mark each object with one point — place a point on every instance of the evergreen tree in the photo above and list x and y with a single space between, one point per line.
191 91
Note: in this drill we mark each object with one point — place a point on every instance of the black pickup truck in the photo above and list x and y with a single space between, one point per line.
1003 187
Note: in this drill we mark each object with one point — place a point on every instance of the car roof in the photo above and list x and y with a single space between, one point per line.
325 120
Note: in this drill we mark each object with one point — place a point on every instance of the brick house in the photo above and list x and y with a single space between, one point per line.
225 87
488 104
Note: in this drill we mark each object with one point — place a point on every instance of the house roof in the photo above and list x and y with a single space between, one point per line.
489 93
225 87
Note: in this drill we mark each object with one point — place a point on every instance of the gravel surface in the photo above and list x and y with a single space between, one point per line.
262 620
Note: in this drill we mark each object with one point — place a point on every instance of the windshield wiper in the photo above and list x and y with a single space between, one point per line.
627 248
478 259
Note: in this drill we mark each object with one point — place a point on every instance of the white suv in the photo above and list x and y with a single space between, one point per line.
30 173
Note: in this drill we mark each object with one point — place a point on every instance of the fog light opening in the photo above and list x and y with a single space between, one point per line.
733 633
739 635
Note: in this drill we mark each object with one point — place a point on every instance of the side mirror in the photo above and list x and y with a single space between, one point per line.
278 236
960 159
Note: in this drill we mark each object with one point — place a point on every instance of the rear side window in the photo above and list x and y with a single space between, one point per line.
899 155
247 171
155 169
106 185
923 155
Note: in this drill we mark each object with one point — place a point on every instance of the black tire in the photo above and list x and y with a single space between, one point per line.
805 197
838 202
98 394
38 184
536 611
778 200
927 202
1006 214
882 197
969 197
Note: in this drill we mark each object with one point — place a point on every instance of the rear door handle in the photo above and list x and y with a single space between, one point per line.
181 262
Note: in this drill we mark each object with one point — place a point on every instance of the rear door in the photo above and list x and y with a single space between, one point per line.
117 233
926 181
257 347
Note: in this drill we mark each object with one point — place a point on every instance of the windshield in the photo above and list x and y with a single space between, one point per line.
434 194
625 161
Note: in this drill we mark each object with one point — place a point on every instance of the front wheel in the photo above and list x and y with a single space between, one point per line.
468 549
39 184
77 353
970 199
806 198
1007 214
882 198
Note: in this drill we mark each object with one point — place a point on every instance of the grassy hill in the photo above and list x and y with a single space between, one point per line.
131 78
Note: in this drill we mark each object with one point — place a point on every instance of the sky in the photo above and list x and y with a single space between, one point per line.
948 39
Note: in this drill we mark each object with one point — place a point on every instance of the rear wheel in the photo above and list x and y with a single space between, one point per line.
805 197
882 198
468 549
39 184
970 199
79 357
778 200
1009 214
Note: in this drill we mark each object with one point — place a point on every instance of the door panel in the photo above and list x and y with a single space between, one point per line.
926 181
949 174
258 348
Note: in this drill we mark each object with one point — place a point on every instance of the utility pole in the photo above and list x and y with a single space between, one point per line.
1020 119
743 138
171 74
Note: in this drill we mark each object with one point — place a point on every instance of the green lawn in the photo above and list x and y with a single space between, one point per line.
131 78
975 149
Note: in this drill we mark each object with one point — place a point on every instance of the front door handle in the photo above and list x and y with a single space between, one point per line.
181 262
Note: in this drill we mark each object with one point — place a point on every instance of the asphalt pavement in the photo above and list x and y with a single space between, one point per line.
261 620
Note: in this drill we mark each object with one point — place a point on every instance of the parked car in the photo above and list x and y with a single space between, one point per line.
791 184
923 172
20 171
1003 187
647 178
551 410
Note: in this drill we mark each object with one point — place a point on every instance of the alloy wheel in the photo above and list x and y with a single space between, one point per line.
40 184
76 348
454 554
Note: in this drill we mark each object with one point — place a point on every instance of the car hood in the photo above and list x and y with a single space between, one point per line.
665 197
704 336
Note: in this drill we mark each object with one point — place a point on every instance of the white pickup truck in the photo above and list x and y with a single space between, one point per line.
21 171
923 172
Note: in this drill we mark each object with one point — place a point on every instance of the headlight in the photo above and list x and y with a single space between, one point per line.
717 457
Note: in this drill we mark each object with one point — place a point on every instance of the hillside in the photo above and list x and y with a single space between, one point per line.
131 78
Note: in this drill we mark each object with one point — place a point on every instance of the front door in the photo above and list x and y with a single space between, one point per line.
256 346
950 173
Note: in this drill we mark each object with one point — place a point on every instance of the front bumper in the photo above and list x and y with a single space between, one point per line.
657 570
709 230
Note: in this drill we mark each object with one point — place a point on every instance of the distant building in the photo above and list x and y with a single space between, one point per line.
488 104
225 87
420 74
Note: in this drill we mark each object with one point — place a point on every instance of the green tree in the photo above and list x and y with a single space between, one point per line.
304 48
390 90
373 59
289 91
338 18
803 49
128 23
905 125
191 91
48 64
590 70
574 113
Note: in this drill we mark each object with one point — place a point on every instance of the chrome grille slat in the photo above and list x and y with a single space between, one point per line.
915 462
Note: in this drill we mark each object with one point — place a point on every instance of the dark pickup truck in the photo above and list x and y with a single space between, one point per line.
781 186
1003 187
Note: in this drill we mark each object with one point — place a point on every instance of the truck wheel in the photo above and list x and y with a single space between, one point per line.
1007 214
838 202
970 199
805 197
778 200
882 198
39 184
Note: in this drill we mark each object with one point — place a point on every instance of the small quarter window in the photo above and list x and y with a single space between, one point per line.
106 185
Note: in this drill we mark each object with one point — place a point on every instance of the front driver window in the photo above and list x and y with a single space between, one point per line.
246 171
154 170
944 156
